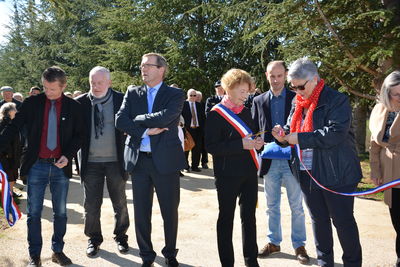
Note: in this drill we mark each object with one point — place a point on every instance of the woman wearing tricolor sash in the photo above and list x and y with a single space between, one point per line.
320 124
384 153
228 138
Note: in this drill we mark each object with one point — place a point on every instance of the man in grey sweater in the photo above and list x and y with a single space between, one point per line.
101 160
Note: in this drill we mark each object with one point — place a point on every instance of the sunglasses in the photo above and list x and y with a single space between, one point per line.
193 95
299 87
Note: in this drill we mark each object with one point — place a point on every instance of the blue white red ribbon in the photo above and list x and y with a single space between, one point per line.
239 125
354 194
9 205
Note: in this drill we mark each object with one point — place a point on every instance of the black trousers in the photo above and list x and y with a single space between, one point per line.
325 206
97 174
145 178
204 154
395 216
197 134
229 189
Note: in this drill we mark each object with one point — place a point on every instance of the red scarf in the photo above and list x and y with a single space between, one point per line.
229 104
301 104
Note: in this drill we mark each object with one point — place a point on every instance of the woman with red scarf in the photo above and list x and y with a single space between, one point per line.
320 123
227 137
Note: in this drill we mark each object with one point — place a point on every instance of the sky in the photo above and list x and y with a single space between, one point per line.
5 12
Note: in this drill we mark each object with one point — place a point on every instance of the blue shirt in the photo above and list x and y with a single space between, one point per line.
145 144
277 108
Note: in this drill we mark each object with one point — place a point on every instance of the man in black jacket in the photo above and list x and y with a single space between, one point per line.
102 156
7 93
193 113
54 134
215 99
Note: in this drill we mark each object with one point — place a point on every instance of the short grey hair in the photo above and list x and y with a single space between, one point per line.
5 110
392 80
102 70
302 69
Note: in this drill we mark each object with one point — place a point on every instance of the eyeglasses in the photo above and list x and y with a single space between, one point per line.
299 87
395 95
148 66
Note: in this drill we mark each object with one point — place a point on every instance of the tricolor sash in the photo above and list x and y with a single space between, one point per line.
9 205
354 194
239 125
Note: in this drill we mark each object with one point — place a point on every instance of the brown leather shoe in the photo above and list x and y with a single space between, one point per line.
301 255
269 249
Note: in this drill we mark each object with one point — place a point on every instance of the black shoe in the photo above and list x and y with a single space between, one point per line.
34 261
196 169
123 247
60 258
186 170
92 250
204 166
147 264
172 262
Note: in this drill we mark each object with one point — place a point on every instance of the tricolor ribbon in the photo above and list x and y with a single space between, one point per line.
239 125
354 194
9 205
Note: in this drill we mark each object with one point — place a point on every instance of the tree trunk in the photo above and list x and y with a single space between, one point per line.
359 124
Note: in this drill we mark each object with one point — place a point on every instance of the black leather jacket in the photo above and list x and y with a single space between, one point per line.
335 161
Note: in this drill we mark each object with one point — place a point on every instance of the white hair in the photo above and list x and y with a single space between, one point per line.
392 80
302 69
100 69
190 91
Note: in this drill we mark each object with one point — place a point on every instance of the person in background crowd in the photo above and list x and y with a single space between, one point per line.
54 135
153 156
270 109
204 154
102 160
76 93
10 158
252 93
7 92
235 169
193 113
18 96
215 99
320 123
35 90
384 152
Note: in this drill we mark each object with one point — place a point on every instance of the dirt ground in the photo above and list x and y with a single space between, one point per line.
197 244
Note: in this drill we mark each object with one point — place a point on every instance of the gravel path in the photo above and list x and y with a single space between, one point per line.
197 235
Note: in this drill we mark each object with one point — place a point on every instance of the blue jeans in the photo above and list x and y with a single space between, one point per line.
279 174
39 176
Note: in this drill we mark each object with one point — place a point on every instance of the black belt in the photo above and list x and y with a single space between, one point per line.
147 154
47 160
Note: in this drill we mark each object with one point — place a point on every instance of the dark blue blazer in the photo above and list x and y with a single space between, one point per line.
261 113
133 118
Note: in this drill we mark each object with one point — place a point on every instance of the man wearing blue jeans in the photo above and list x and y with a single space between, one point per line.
53 125
271 108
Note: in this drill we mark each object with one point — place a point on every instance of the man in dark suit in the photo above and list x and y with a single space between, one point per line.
215 99
153 154
54 135
102 159
269 109
204 154
194 116
7 93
